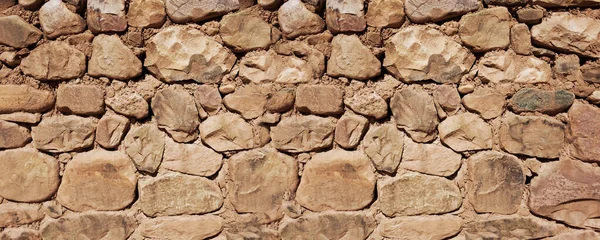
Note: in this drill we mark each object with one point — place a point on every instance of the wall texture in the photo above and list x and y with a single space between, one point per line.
313 119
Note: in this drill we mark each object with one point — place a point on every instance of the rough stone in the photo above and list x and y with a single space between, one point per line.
208 99
57 20
58 134
111 58
345 16
429 159
105 16
302 134
584 132
532 136
563 31
30 4
80 99
281 101
6 4
145 145
227 132
422 11
21 117
193 159
447 97
181 227
384 145
349 130
486 30
507 67
486 102
530 15
176 113
130 104
520 39
583 234
296 20
90 225
54 61
182 11
465 132
506 2
385 13
351 59
572 3
319 99
591 72
12 135
330 225
17 33
244 32
510 227
414 111
249 101
27 175
14 214
534 100
368 103
420 227
270 4
110 130
270 67
20 234
146 13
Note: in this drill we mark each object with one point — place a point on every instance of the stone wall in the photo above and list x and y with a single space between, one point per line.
313 119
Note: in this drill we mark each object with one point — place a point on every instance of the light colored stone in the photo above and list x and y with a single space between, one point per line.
345 16
576 234
328 225
351 59
183 11
12 135
429 159
535 100
110 130
270 67
181 227
571 3
486 30
319 99
541 137
414 111
349 130
17 33
530 15
105 16
446 96
506 2
54 61
249 101
270 4
30 4
58 134
129 103
422 11
368 103
21 117
487 102
508 67
57 20
20 234
296 20
90 225
193 159
308 51
227 132
302 134
593 98
176 113
145 145
27 175
384 145
420 227
583 133
208 99
510 227
17 98
520 39
569 33
385 13
14 214
6 4
465 132
146 13
244 32
111 58
281 101
80 99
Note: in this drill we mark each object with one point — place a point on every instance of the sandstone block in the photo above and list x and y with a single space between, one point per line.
244 32
384 145
507 227
533 136
345 16
249 101
351 59
176 113
12 135
54 61
111 130
422 11
145 145
430 159
27 175
181 227
268 67
295 20
182 11
486 102
227 132
90 225
414 111
111 58
583 132
146 13
80 99
349 130
385 13
302 134
420 227
507 67
569 33
17 33
105 16
465 132
64 133
57 20
486 30
193 159
129 103
534 100
319 99
14 214
329 225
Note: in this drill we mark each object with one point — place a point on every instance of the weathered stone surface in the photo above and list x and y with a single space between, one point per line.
21 117
533 136
591 72
486 102
27 175
98 180
16 98
506 2
319 99
337 180
447 97
180 53
496 182
227 132
576 234
419 53
329 225
534 100
520 39
271 67
486 30
420 227
429 159
368 103
510 227
110 130
181 227
566 32
349 130
111 58
244 32
465 132
530 15
571 3
302 134
17 33
145 145
20 234
249 101
12 135
422 11
406 194
414 111
181 11
208 99
130 104
175 194
176 113
351 59
385 13
507 67
345 16
90 225
64 133
146 13
584 132
54 61
14 214
281 101
6 4
296 20
80 99
384 145
57 20
193 159
104 16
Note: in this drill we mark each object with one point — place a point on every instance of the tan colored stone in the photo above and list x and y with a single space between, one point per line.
145 146
64 133
20 234
530 15
508 67
296 20
319 99
486 30
487 102
176 194
328 225
14 214
17 33
57 20
110 130
281 101
420 227
181 227
583 132
146 13
506 2
90 225
54 61
27 175
541 137
80 99
535 100
576 234
310 53
21 117
6 4
270 4
249 101
569 33
182 11
351 59
105 16
571 3
385 13
30 4
414 111
429 159
520 39
345 16
176 113
349 130
208 99
510 227
384 145
446 96
270 67
302 134
111 58
465 132
368 103
227 132
422 11
244 32
12 135
194 159
129 103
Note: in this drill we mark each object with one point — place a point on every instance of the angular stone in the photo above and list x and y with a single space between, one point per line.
130 104
430 159
530 15
532 136
208 99
465 132
181 227
486 102
12 135
105 16
146 13
405 195
14 214
419 53
351 59
486 30
54 61
98 180
414 111
179 53
20 234
249 101
80 99
145 146
183 11
584 132
591 72
508 67
506 2
302 134
176 194
110 130
572 3
447 97
349 130
271 67
319 99
569 33
16 98
176 113
6 4
21 117
520 39
384 145
27 175
296 20
345 16
576 234
57 20
312 54
193 159
281 101
90 225
58 134
17 33
112 59
510 227
385 13
330 225
534 100
420 227
227 132
368 103
244 32
422 11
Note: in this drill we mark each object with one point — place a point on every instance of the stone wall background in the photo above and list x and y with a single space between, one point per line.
384 119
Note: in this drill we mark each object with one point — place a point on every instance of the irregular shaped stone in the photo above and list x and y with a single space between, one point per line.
176 194
175 112
110 130
520 39
345 16
14 214
465 132
90 225
583 132
351 59
486 102
181 227
57 20
21 117
281 101
405 195
302 134
249 100
422 11
576 234
179 53
419 53
447 97
80 99
385 13
244 32
510 227
349 130
193 159
146 13
16 98
368 103
429 159
12 135
329 225
98 180
145 145
20 234
384 145
17 33
296 20
271 67
590 72
182 11
112 59
420 227
6 4
530 15
508 67
54 61
307 52
571 3
58 134
563 31
104 16
227 132
130 104
532 136
27 175
414 111
208 99
534 100
486 30
506 2
319 99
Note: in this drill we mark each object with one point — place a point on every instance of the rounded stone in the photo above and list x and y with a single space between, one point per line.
27 175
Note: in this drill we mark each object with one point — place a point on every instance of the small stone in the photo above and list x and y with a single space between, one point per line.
244 32
534 100
446 96
80 99
577 234
90 225
569 33
208 99
520 39
145 145
422 11
6 4
146 13
430 159
420 227
530 15
486 30
510 227
567 64
11 59
176 113
227 132
384 145
57 20
27 175
558 3
130 104
302 134
270 4
31 5
181 227
368 103
17 33
111 58
329 225
337 180
583 133
591 72
508 67
465 132
181 11
21 117
532 136
53 209
20 234
54 61
281 101
414 111
506 2
486 102
193 159
349 130
110 130
345 16
249 101
12 135
176 194
270 67
466 89
351 59
106 16
14 214
319 99
98 180
385 13
58 134
296 20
